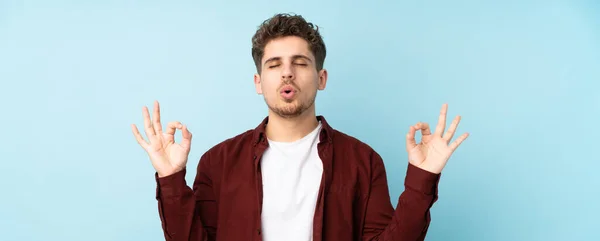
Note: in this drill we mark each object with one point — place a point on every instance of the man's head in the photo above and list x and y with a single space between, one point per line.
289 54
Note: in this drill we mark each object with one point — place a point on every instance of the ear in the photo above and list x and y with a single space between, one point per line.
322 79
257 84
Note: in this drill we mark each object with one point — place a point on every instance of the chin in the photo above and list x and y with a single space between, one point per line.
288 102
287 110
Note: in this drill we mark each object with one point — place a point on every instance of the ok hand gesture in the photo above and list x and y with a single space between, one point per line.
166 156
435 149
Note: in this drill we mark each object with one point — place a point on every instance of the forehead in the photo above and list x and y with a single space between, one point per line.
286 47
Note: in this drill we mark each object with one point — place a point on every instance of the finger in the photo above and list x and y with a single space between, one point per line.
424 127
410 138
439 129
140 140
150 133
186 141
452 129
156 123
171 129
458 141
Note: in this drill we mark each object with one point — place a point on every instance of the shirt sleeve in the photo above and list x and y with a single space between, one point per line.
410 220
187 214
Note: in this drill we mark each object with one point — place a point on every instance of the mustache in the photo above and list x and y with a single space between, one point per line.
289 82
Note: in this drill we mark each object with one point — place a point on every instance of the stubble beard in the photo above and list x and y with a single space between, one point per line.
290 110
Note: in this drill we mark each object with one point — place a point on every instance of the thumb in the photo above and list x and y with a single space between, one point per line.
186 140
410 138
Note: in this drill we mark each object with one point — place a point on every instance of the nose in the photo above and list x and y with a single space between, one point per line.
287 72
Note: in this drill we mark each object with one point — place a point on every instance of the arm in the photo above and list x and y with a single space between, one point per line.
427 159
410 220
187 214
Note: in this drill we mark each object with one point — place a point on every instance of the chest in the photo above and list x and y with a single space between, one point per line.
290 189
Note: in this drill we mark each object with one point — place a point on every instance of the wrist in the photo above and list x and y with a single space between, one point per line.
421 180
171 185
430 168
167 173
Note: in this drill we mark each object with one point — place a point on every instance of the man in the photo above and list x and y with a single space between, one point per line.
293 177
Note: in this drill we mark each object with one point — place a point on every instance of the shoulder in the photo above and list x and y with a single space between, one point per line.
356 160
347 142
356 153
234 145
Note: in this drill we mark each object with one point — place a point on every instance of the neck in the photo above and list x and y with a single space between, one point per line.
282 129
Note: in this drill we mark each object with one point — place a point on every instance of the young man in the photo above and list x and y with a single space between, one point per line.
293 177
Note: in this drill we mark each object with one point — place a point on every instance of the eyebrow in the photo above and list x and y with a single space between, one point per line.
297 56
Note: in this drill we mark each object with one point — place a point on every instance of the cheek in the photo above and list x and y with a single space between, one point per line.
312 83
269 87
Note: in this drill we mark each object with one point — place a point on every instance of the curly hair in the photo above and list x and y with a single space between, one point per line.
283 25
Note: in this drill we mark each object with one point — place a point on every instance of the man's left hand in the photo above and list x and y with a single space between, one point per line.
434 150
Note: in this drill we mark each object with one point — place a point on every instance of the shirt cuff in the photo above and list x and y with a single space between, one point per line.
170 186
421 180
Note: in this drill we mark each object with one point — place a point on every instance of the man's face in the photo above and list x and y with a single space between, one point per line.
289 79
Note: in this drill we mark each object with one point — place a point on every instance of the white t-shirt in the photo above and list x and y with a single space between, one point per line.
291 174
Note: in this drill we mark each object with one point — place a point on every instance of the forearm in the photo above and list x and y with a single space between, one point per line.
177 209
410 220
412 217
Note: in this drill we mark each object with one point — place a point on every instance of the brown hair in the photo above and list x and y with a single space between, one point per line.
283 25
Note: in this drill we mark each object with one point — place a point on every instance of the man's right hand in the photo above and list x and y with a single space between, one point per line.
167 156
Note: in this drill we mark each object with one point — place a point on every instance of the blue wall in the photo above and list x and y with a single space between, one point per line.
523 74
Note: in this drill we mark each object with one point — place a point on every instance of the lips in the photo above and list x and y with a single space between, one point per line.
287 92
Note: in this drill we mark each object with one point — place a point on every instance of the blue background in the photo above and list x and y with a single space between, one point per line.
523 74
